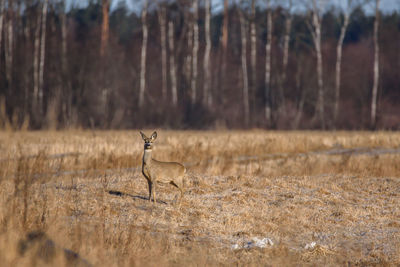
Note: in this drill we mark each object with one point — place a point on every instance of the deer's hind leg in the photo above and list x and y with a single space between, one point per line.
180 189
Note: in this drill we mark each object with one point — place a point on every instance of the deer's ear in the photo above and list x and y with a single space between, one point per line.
154 136
144 137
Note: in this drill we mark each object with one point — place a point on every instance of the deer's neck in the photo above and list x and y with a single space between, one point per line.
147 156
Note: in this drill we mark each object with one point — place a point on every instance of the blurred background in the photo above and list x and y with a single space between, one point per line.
200 64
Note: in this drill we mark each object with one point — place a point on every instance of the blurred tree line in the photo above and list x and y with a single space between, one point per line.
178 64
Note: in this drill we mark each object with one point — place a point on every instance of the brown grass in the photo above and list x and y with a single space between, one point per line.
85 190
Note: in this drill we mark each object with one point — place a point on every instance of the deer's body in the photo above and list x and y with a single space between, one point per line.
160 172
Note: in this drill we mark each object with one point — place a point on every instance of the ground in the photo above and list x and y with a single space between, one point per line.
252 198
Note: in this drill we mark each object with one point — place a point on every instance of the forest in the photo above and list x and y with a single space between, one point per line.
285 115
182 65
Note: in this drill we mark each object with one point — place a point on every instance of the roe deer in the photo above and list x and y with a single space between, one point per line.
160 172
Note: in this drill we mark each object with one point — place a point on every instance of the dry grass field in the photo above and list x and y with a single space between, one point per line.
252 198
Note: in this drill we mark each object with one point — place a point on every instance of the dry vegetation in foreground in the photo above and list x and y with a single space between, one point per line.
85 190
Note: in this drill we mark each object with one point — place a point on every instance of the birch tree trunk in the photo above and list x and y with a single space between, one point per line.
207 98
339 50
243 31
195 50
376 66
105 27
316 34
288 29
143 55
42 54
162 22
268 64
253 52
285 58
172 64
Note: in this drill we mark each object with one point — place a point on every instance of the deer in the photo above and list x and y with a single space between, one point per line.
160 172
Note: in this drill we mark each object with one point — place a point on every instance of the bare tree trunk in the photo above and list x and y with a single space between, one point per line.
42 54
339 50
36 54
9 43
243 34
376 66
64 40
1 21
285 59
224 50
188 59
207 97
105 27
253 53
225 26
300 105
163 29
195 50
25 76
288 28
143 55
316 34
172 64
268 64
105 88
66 96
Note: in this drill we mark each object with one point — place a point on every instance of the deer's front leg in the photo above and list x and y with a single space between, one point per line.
150 187
154 193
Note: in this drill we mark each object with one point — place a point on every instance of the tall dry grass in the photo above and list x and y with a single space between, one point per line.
84 191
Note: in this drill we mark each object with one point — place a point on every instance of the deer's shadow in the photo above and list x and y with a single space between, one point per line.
123 194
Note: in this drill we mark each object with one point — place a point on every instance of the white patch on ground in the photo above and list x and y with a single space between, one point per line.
254 243
310 245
